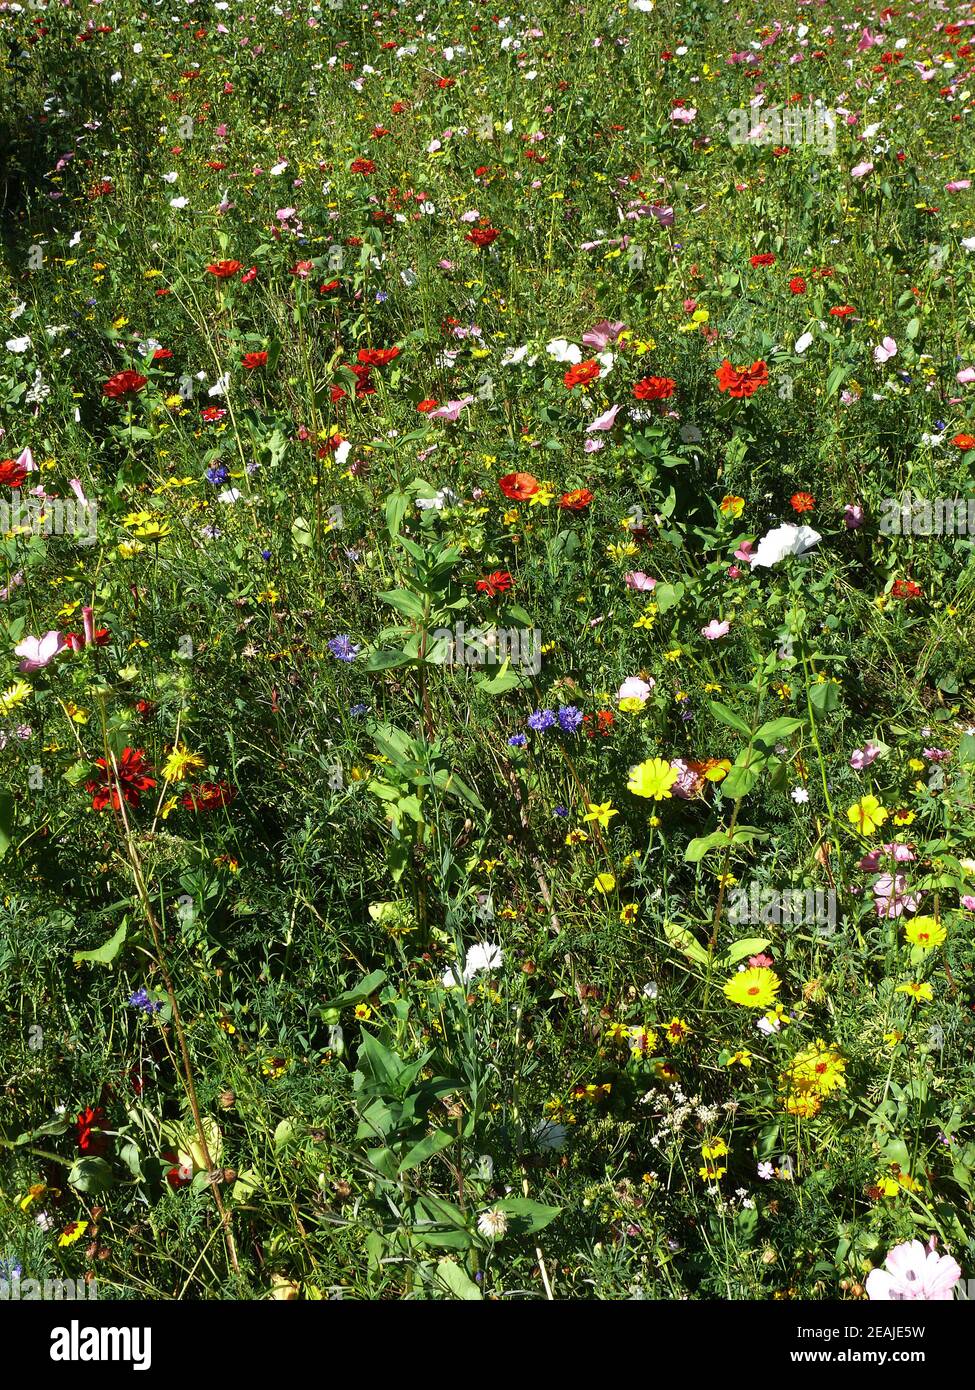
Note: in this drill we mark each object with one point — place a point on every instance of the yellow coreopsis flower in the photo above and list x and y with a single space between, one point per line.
652 779
72 1232
919 992
13 696
925 932
867 814
601 812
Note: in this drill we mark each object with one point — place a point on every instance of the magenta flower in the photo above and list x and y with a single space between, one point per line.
38 652
914 1271
603 334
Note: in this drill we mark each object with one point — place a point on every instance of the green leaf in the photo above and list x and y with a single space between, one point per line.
824 698
729 717
683 941
456 1282
527 1216
91 1175
385 660
105 954
776 729
739 782
667 596
404 602
357 993
396 505
747 946
6 822
428 1146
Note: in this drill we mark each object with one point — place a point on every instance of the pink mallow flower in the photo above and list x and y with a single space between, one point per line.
912 1272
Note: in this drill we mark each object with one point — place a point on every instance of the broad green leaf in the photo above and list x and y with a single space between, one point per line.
729 717
456 1282
105 954
683 941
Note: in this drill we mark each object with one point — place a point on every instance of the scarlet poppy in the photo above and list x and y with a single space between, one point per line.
362 166
250 360
249 275
576 501
133 778
802 502
581 374
603 726
482 236
93 1117
741 381
906 588
964 441
655 388
497 583
12 473
223 270
122 384
519 486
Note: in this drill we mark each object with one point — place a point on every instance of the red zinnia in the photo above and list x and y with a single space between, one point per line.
741 381
209 796
842 311
12 473
122 384
518 486
376 357
576 501
424 407
802 502
766 259
132 779
964 441
482 236
250 360
581 374
223 270
655 388
797 285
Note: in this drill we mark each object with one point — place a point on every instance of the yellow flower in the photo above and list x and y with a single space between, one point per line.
676 1030
180 762
754 989
925 932
576 837
13 696
867 814
732 505
629 912
743 1058
652 779
604 883
600 812
632 704
72 1232
363 1012
716 1148
918 992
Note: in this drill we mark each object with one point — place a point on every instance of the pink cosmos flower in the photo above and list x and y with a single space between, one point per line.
714 630
451 411
863 757
605 421
684 114
640 582
603 334
914 1271
633 688
860 171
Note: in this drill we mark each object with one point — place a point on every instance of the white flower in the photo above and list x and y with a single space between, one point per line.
484 956
492 1223
803 342
799 795
178 202
564 351
782 541
170 177
18 344
277 169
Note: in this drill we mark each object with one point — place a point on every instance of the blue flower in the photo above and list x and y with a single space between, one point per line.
357 710
343 648
570 719
517 741
217 475
140 1000
541 720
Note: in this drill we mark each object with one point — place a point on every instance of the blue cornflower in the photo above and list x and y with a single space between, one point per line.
357 710
560 811
541 720
140 1000
218 474
570 719
517 741
265 554
343 648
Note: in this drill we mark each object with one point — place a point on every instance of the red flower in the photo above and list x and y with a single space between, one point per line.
603 726
581 374
249 275
906 588
161 354
177 1175
766 259
377 357
211 414
90 1119
132 779
802 502
331 287
497 583
741 381
797 285
424 407
482 236
964 441
12 473
209 796
223 270
518 486
122 384
576 501
250 360
655 388
362 166
842 311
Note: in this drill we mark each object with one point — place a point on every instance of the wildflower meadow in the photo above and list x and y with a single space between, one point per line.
487 596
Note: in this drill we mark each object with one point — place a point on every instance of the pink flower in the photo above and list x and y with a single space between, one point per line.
605 421
884 351
714 630
966 376
38 652
633 688
968 903
684 114
603 334
863 757
451 411
860 171
664 214
745 552
640 582
914 1271
958 185
853 516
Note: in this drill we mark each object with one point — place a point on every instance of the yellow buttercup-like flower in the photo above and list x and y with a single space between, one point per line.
867 814
652 779
755 988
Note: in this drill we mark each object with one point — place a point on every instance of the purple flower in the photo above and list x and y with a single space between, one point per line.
140 1000
517 741
570 719
343 648
540 720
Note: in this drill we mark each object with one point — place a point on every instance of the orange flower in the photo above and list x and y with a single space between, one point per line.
519 486
582 374
576 501
964 441
802 502
741 381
